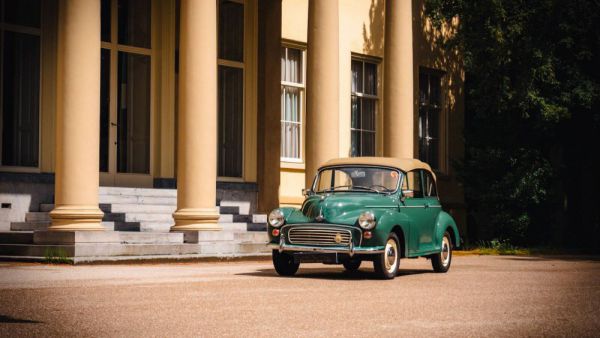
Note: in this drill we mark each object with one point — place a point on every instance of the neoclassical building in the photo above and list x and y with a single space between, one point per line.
223 99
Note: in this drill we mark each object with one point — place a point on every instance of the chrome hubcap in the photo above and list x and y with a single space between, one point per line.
445 251
391 254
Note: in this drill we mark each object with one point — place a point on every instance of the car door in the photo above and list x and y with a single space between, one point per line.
413 205
432 210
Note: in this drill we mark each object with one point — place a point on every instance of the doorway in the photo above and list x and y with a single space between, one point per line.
125 93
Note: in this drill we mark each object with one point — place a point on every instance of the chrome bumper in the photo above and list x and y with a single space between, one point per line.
351 250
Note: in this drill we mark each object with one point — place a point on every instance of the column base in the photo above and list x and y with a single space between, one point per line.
196 219
76 218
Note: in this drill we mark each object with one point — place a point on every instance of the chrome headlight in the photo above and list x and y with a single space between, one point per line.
366 220
276 218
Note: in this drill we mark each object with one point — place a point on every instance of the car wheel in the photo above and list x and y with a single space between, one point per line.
352 264
284 263
441 262
387 263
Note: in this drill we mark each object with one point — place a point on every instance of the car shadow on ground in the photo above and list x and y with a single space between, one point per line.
9 319
334 274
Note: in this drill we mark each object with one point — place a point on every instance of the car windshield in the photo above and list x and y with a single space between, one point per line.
357 179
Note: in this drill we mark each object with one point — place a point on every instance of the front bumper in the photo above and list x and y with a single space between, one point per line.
350 250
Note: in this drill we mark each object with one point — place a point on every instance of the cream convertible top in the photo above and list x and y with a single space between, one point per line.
404 164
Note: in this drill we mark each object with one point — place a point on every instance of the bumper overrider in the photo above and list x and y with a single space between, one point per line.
351 238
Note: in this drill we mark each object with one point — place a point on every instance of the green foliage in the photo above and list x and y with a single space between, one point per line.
532 103
499 247
56 256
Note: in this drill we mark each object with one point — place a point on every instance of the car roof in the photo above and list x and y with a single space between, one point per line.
404 164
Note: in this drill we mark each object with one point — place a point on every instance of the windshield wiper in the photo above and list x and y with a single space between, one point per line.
353 187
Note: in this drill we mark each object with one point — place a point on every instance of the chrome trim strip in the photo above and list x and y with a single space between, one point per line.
347 250
412 206
381 206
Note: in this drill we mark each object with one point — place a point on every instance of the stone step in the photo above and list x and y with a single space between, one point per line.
253 237
131 199
249 248
37 217
9 237
99 249
144 208
256 227
123 191
35 226
47 207
146 217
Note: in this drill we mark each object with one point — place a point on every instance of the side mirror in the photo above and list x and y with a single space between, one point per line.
407 194
307 192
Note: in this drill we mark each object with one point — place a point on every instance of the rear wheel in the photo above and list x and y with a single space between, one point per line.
352 264
387 263
441 262
284 263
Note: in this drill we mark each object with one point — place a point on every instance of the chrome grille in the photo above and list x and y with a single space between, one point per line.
319 236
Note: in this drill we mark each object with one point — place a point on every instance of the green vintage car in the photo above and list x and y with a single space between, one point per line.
365 209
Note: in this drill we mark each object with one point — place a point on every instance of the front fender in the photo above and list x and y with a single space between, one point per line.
443 223
386 223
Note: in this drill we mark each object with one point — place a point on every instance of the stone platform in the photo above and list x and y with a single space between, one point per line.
107 246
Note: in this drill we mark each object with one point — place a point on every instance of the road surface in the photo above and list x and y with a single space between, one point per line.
480 296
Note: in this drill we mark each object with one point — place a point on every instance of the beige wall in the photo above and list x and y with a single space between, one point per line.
362 34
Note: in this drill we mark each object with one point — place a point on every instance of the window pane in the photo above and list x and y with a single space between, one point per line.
231 121
293 69
355 143
291 104
357 76
105 20
368 144
20 99
133 147
290 140
22 12
370 78
283 63
355 113
368 114
104 107
423 89
434 94
231 31
134 23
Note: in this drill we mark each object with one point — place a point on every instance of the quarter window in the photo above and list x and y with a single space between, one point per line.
414 183
364 103
292 103
429 182
429 117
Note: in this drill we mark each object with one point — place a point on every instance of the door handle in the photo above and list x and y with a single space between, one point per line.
113 124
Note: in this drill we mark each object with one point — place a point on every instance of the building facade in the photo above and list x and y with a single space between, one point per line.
225 99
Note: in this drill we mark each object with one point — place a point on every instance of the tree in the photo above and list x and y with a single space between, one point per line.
532 117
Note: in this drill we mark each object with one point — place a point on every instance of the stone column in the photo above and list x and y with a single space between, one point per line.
78 118
197 133
398 101
322 85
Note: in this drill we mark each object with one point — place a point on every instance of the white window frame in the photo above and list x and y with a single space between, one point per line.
302 88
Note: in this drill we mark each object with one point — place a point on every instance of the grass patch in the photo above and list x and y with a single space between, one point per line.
56 256
497 247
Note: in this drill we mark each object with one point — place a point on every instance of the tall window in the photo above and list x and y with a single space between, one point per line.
125 82
20 82
231 88
364 107
292 102
429 117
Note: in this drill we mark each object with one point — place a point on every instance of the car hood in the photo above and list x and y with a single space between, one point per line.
344 208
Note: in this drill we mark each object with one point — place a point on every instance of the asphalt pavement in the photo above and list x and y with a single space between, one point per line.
480 296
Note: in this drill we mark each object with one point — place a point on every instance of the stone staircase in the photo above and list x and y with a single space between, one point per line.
141 209
137 222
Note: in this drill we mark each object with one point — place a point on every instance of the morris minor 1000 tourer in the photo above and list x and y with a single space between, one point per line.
365 209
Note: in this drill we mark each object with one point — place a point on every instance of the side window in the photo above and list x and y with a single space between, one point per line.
414 183
430 188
